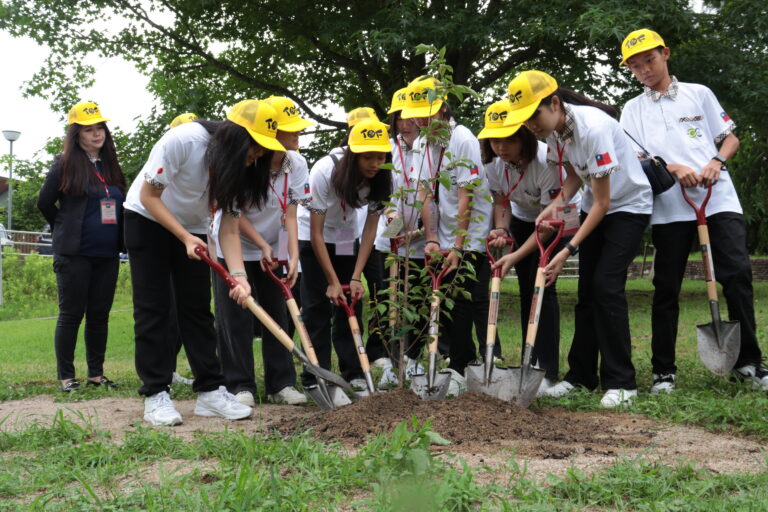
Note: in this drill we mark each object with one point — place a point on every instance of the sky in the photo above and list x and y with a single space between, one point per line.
119 90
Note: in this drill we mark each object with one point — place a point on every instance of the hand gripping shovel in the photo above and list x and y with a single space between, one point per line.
320 392
273 326
354 326
719 342
527 379
433 385
485 377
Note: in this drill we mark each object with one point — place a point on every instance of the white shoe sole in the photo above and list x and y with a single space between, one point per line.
172 423
201 410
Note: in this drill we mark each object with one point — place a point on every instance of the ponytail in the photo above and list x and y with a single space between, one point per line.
574 98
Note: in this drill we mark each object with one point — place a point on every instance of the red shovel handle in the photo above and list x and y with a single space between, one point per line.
429 261
509 241
281 282
701 215
349 307
226 276
393 245
544 254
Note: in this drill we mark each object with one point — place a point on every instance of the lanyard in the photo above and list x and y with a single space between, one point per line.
506 175
439 163
560 151
284 203
344 211
402 163
106 188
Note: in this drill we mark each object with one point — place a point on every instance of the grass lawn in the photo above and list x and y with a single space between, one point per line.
62 465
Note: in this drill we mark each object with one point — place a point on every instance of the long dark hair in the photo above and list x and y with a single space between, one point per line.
76 168
394 117
527 152
574 98
231 183
346 181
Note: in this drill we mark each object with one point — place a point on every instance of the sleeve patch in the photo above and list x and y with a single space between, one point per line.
603 159
725 117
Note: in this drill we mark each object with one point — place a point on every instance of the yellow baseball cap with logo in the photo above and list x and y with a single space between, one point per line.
357 115
495 115
417 102
369 135
526 91
86 113
183 118
288 119
260 120
639 41
398 101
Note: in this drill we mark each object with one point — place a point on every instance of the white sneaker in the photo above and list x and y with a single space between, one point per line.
616 397
412 367
756 374
388 378
457 385
358 383
246 398
663 383
159 410
338 397
545 385
221 403
382 362
289 395
178 379
562 388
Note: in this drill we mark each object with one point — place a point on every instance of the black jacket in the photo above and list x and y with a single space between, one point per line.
66 219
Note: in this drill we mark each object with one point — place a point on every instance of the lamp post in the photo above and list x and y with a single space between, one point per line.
10 136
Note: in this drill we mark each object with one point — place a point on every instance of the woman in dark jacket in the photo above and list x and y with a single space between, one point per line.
82 199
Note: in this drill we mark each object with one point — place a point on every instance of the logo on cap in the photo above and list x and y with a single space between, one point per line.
495 116
271 124
371 134
291 111
516 97
635 40
91 110
418 96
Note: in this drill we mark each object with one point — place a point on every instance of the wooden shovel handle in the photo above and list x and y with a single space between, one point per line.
706 258
533 316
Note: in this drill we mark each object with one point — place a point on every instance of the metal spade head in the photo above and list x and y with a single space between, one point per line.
525 385
321 397
420 385
719 345
500 383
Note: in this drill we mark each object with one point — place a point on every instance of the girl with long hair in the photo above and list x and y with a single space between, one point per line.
82 200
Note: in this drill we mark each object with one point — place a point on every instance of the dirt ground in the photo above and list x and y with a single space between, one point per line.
483 431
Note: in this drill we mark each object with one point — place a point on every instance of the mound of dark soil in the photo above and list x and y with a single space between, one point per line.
478 422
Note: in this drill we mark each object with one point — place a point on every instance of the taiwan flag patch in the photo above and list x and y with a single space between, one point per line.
553 192
725 117
603 159
306 188
473 171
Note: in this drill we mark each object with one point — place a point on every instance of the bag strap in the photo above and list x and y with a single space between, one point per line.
635 141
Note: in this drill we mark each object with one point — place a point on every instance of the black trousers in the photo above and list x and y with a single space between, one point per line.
158 262
86 287
546 351
326 321
480 305
733 270
457 330
602 316
377 323
234 335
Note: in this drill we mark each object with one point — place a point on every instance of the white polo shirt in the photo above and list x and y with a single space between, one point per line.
177 165
595 145
404 179
683 126
267 220
463 165
326 202
531 189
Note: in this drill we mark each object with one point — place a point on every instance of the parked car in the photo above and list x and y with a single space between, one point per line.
5 238
45 238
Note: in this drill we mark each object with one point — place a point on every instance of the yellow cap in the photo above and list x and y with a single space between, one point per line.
369 135
86 113
526 91
639 41
260 120
417 102
183 118
288 119
495 115
398 101
356 115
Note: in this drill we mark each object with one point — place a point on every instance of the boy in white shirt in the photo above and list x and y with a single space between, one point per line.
684 124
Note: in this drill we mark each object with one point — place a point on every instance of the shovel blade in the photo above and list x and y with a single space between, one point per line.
338 396
523 392
420 386
500 385
719 346
317 396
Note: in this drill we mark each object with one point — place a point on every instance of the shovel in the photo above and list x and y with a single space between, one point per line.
394 273
719 342
319 393
485 377
273 327
526 379
433 385
354 326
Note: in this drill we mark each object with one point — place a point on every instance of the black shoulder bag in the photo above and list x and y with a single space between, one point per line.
655 169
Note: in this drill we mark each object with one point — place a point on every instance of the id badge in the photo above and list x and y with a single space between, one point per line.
569 214
108 211
434 218
345 241
282 245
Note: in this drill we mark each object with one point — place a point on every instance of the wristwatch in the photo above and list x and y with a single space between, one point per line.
573 250
720 158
